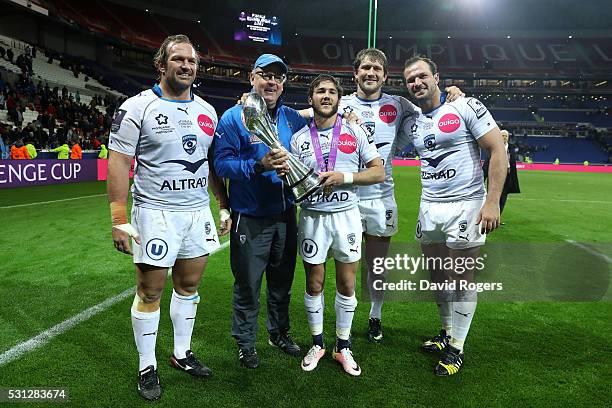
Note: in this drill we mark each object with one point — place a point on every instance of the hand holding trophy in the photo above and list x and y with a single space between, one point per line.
302 180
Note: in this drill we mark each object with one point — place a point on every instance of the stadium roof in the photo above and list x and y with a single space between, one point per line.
397 15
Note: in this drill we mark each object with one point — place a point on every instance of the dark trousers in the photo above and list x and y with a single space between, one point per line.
502 200
259 245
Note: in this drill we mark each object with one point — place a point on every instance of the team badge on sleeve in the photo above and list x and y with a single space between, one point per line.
477 107
116 125
369 128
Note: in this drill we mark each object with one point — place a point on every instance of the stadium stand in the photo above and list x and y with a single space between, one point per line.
535 84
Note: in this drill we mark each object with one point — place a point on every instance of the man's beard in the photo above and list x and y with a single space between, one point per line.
178 85
325 115
373 88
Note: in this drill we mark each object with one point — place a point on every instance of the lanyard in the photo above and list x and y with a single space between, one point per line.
333 149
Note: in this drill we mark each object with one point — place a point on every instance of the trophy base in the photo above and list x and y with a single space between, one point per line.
311 181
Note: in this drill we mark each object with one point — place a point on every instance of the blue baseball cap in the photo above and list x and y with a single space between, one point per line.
268 59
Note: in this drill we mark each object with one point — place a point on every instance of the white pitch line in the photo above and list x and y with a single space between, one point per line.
50 202
38 341
561 200
590 250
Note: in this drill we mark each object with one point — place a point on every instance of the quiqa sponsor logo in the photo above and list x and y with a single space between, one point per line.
347 143
449 123
206 124
387 113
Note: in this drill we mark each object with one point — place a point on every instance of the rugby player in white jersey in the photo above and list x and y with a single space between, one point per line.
381 116
455 212
169 132
329 219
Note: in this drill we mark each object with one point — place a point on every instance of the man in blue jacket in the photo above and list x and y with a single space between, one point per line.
264 232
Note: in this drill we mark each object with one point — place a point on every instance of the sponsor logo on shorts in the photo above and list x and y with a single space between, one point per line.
462 225
388 214
351 238
347 143
206 124
449 123
207 228
387 113
190 143
242 239
156 249
117 120
309 248
418 233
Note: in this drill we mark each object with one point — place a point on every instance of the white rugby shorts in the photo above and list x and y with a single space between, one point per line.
452 223
166 236
338 234
379 216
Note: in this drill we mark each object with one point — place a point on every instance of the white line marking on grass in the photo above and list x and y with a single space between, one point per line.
50 202
562 200
590 250
38 341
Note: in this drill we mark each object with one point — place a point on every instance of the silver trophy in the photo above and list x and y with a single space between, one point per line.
302 180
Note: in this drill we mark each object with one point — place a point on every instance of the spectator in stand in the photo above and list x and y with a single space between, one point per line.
19 151
2 84
5 153
76 153
511 185
31 150
2 100
10 55
95 143
18 118
103 152
2 51
63 151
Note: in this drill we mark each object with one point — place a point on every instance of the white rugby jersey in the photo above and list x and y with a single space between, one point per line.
353 149
170 141
450 157
381 120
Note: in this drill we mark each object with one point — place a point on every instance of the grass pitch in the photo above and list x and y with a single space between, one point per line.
57 259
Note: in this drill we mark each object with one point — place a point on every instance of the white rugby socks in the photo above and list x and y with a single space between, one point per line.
145 327
183 313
